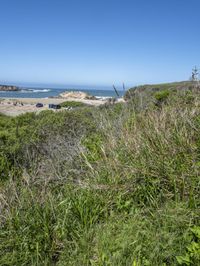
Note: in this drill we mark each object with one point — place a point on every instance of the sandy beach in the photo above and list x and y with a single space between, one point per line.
17 106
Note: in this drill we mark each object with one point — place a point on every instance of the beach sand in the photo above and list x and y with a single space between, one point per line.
17 106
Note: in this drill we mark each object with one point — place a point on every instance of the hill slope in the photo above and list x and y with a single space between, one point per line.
149 88
113 185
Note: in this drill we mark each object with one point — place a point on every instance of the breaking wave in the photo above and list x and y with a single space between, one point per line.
34 90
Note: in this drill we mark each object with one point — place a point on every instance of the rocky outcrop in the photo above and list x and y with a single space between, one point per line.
77 95
8 88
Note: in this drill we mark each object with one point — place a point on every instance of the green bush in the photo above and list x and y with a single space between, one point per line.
161 96
73 104
93 145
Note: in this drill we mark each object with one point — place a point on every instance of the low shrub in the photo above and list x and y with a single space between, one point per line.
73 104
161 97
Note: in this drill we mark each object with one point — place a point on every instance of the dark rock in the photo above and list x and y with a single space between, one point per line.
8 88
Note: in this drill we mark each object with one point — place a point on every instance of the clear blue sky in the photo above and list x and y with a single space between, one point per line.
98 41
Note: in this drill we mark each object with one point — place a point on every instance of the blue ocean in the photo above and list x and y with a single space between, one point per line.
31 92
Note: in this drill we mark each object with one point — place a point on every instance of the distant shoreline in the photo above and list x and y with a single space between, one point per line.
50 93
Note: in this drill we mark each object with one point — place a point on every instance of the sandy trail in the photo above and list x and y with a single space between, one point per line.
17 106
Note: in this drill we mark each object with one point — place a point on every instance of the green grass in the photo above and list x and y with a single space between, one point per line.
116 185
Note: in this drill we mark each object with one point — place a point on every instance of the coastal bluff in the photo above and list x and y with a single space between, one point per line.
9 88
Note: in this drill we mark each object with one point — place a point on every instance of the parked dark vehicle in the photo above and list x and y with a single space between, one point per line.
39 105
54 106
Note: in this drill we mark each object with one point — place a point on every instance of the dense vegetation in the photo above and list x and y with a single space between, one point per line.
114 185
73 104
150 89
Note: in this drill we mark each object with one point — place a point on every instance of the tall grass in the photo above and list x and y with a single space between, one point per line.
130 198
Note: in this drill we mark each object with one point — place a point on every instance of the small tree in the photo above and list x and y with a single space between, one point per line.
195 77
195 74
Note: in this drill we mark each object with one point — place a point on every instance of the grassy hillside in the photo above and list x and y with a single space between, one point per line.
151 88
114 185
171 85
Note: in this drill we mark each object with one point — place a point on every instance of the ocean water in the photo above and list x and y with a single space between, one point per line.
45 93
